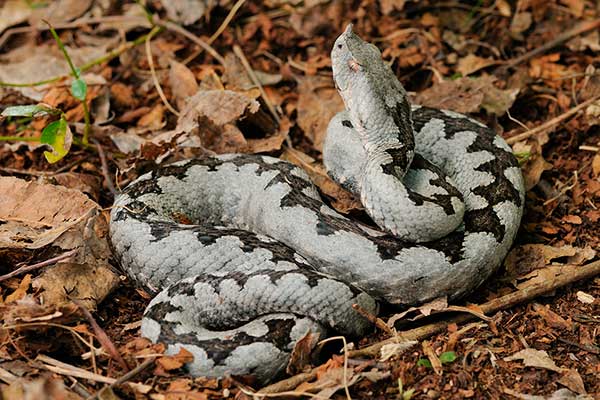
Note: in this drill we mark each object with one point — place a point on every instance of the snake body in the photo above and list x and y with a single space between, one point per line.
265 261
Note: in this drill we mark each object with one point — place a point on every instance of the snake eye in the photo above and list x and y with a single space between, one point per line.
339 46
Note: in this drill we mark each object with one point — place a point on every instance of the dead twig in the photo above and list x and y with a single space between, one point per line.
583 27
153 72
27 268
227 20
184 32
554 121
104 165
126 377
575 274
240 54
378 322
101 335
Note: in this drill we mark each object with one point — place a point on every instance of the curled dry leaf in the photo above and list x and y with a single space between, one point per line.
40 216
524 259
421 311
395 349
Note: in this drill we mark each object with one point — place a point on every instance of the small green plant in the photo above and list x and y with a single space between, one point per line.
56 134
445 358
78 86
404 394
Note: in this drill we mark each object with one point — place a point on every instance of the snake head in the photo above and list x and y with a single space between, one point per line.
366 84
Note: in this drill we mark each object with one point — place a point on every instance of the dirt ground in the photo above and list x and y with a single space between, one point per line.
147 87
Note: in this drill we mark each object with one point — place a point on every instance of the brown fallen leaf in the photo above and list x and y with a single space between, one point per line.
23 65
343 201
187 12
45 388
13 12
552 318
534 358
35 216
318 102
467 95
169 363
183 83
472 63
301 353
154 119
572 380
20 291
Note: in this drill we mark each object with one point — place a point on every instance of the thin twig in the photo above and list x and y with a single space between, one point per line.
28 268
182 31
101 335
106 57
153 73
69 25
226 21
552 122
124 378
104 165
378 322
240 54
583 27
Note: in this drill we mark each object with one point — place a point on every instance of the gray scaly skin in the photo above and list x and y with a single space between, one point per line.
267 262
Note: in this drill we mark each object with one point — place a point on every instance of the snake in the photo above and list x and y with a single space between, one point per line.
246 261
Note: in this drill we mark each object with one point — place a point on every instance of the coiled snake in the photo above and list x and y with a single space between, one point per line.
266 261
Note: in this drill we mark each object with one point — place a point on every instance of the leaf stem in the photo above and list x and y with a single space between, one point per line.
61 46
107 57
19 138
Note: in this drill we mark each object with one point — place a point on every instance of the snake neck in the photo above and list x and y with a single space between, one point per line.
389 142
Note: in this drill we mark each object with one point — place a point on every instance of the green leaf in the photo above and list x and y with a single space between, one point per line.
408 394
423 362
79 89
31 110
447 357
58 136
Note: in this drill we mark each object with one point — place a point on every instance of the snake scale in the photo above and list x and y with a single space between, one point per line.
266 261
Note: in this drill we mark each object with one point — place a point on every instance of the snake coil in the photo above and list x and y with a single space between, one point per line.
266 261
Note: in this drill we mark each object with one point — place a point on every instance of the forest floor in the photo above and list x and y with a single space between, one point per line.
151 82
